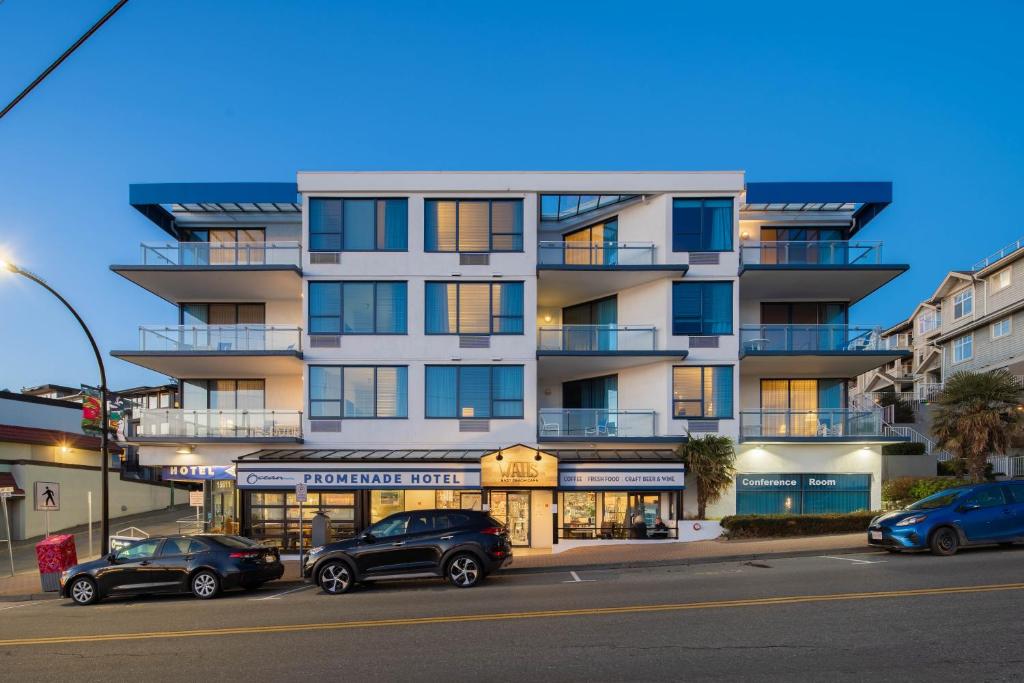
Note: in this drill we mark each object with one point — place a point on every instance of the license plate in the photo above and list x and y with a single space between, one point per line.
876 535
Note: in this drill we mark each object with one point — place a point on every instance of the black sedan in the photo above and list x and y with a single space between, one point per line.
204 564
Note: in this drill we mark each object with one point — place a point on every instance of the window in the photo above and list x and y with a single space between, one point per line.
222 314
388 528
1001 328
357 307
181 546
358 224
358 391
963 348
702 308
1002 279
702 225
990 496
467 391
139 551
451 520
699 391
474 308
223 394
963 304
473 225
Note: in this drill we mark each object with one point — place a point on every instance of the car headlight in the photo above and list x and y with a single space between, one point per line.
913 519
316 550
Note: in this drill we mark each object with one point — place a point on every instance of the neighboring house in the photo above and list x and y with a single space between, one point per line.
41 440
536 344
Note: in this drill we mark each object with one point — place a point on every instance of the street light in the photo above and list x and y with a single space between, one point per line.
105 464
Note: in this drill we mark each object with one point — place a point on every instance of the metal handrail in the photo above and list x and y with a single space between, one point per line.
999 255
244 337
596 337
596 422
776 337
221 253
595 253
811 252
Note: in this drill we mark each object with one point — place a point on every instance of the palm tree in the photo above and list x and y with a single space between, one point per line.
977 414
711 460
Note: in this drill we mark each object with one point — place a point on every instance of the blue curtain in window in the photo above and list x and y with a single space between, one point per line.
324 308
702 225
441 386
686 308
507 391
325 224
717 224
717 307
358 225
391 308
719 403
396 225
475 391
438 315
430 226
508 308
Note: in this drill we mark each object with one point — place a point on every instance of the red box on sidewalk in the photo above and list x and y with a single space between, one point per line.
54 555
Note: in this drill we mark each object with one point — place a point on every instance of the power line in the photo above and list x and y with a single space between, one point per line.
59 60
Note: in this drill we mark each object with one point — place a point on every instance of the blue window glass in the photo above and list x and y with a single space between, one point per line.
358 391
474 391
702 308
473 225
337 224
702 224
702 391
474 308
358 307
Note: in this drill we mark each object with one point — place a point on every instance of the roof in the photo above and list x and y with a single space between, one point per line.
329 455
7 480
52 437
865 199
617 455
151 200
29 398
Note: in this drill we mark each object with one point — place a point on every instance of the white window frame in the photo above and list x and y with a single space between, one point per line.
999 286
959 299
1009 327
968 340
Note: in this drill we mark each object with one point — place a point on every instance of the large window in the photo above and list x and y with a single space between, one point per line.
474 307
274 516
468 391
473 225
963 348
702 225
699 391
358 391
1001 328
223 394
357 307
358 224
963 303
702 308
222 314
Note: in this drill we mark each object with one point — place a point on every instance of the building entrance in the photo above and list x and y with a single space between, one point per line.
512 508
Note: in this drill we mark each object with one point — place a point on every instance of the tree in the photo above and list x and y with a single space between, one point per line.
902 412
977 414
711 460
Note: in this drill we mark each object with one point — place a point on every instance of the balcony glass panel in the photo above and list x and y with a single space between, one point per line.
809 338
218 253
595 422
809 424
227 338
595 338
213 423
817 252
610 254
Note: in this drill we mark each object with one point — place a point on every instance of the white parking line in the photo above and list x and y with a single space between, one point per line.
576 578
275 596
850 559
22 604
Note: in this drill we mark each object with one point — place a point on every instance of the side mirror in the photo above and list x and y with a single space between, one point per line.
111 558
369 538
967 507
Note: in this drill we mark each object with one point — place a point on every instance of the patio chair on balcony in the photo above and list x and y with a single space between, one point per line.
549 428
602 428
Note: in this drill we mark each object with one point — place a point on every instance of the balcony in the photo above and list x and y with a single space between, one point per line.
567 351
621 264
597 424
781 426
814 350
172 426
223 271
835 269
212 351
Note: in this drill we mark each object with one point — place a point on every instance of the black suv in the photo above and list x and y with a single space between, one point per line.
463 546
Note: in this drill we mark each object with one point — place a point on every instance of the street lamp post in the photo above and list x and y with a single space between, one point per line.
105 462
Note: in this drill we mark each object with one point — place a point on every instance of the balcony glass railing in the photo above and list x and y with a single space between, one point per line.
595 423
610 254
801 338
227 338
595 338
809 423
817 253
222 254
223 424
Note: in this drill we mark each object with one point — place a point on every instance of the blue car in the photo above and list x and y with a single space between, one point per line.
976 514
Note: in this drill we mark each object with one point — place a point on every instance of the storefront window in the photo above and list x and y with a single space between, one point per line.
274 517
384 503
614 510
449 499
579 509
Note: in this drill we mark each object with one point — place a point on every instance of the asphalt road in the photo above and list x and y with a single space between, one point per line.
814 618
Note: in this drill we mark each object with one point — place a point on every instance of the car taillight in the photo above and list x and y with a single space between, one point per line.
492 530
246 554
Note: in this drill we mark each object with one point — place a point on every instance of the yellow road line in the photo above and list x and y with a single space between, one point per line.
506 616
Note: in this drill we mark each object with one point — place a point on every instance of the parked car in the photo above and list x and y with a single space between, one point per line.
463 546
203 564
976 514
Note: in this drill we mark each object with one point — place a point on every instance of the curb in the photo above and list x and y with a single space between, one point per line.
26 597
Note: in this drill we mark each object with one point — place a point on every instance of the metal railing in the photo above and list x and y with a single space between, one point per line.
227 338
224 424
221 254
926 391
896 341
595 422
796 338
810 423
595 338
608 254
613 530
1001 254
815 252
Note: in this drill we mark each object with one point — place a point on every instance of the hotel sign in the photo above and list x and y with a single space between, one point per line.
453 476
519 467
600 476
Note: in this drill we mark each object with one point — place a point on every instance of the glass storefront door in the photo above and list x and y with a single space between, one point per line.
512 508
647 505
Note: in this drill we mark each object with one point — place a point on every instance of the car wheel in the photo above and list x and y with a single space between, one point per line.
205 585
335 578
944 541
83 591
464 571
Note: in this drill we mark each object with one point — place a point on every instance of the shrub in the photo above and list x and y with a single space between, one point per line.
922 488
905 490
903 448
956 467
897 490
765 526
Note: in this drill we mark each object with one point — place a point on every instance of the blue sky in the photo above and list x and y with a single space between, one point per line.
927 95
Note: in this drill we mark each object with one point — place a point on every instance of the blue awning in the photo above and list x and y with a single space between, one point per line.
153 199
865 199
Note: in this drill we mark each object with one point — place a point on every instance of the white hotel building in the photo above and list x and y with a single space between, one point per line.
535 343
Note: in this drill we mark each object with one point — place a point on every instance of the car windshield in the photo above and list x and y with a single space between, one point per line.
937 500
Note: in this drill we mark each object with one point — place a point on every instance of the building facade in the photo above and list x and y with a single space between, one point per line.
536 344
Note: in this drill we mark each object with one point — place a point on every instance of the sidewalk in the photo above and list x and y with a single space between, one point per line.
25 586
